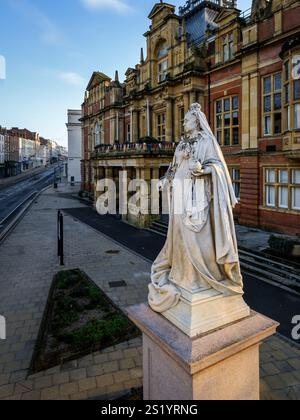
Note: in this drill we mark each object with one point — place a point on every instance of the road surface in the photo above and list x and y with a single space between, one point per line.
11 197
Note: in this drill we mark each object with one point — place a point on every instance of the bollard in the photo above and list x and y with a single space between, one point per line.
61 225
60 236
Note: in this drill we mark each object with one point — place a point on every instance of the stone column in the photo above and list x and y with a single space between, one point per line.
135 127
100 175
146 197
155 196
169 121
154 125
186 100
109 172
193 97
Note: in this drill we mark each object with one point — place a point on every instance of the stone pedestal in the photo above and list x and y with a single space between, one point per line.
199 313
219 365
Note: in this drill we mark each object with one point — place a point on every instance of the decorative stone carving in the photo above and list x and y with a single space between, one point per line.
260 9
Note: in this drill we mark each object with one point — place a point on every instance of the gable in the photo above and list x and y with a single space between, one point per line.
159 7
96 79
227 15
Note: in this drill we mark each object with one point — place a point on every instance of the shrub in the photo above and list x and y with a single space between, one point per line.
282 246
97 331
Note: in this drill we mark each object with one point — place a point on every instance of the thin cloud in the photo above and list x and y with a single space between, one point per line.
72 78
119 6
49 32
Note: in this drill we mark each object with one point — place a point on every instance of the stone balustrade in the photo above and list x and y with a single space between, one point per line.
134 148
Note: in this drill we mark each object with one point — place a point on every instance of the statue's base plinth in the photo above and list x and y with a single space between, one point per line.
199 313
220 365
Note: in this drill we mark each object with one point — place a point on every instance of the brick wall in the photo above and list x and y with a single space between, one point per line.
250 191
291 19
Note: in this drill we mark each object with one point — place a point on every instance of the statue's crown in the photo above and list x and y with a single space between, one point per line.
195 108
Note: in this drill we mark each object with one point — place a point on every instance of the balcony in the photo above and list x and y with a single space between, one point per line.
134 149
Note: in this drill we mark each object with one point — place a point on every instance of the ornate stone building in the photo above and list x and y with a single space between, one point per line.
242 67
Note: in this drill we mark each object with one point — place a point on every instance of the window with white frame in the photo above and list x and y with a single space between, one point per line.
282 188
271 188
162 61
296 189
235 173
97 134
228 121
291 97
272 104
161 127
162 71
227 47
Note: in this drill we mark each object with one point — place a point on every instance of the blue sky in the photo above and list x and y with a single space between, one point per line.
52 47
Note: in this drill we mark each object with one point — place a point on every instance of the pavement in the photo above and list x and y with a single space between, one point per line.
255 239
28 259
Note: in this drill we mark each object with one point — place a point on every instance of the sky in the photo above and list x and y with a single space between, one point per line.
52 47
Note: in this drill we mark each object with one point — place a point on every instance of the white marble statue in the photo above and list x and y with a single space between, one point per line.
201 252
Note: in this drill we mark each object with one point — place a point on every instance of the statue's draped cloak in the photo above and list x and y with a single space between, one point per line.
198 248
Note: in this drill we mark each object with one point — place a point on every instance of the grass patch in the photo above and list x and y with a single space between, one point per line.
79 319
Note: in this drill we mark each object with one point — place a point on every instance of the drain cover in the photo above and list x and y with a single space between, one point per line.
115 284
112 252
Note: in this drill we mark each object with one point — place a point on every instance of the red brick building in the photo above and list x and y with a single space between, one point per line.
244 68
254 65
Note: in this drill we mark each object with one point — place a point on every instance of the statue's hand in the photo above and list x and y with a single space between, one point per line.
206 170
161 184
203 171
195 166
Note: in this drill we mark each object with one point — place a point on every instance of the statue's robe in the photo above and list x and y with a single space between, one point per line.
202 239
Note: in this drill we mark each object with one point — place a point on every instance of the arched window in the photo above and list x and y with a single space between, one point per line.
162 52
97 134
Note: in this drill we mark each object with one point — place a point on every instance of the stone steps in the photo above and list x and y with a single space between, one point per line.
271 269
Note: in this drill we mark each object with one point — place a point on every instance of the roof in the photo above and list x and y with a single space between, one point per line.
160 6
97 77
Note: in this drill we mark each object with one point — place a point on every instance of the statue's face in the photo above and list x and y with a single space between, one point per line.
190 124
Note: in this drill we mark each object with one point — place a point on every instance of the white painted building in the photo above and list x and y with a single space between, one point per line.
2 155
27 153
2 149
74 146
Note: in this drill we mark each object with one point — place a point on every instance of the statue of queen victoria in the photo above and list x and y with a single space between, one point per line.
196 280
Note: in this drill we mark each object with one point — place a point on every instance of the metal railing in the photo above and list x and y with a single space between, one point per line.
135 148
192 4
246 15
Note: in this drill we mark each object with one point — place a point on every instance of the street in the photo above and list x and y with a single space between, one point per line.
12 196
